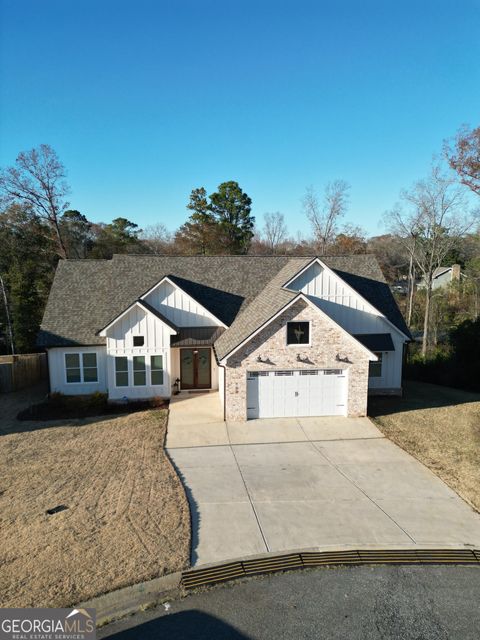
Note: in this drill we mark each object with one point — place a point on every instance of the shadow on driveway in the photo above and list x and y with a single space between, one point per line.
185 625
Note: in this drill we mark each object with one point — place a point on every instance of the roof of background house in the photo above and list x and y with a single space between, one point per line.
87 295
439 270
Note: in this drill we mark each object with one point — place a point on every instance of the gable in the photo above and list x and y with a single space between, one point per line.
138 321
318 282
178 306
273 333
357 303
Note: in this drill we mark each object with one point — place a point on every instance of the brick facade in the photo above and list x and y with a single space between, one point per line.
326 341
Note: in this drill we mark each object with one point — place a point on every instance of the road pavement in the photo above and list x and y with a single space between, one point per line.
354 603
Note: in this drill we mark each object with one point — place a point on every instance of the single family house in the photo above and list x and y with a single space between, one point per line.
276 335
443 276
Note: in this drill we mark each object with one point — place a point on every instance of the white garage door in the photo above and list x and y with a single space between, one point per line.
310 392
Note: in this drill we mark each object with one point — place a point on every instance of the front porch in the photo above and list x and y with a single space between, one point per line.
196 417
193 368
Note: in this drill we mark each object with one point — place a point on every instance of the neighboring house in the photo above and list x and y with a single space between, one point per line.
277 336
443 276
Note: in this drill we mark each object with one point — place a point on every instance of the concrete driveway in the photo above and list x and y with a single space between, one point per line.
283 484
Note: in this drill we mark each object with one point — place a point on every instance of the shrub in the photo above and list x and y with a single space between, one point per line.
456 366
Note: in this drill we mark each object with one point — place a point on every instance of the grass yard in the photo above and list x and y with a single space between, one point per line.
127 518
439 426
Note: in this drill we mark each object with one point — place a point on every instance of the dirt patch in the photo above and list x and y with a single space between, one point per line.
126 517
440 426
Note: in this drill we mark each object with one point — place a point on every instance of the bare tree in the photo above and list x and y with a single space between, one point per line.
158 239
7 315
274 230
38 180
432 224
324 215
464 157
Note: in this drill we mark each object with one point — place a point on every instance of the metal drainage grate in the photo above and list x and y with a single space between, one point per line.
57 509
241 569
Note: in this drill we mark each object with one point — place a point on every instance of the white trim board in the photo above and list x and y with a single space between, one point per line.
137 303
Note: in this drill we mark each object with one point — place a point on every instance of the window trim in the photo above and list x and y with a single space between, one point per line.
80 362
377 363
299 344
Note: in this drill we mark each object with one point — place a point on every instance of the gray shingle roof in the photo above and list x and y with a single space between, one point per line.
376 341
267 303
87 295
196 336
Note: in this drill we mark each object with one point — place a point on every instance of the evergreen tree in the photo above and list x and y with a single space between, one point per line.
231 208
199 235
219 224
76 231
120 236
27 263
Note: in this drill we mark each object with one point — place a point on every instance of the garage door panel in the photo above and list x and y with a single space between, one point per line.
290 393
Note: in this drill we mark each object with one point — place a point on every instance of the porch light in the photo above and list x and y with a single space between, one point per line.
340 358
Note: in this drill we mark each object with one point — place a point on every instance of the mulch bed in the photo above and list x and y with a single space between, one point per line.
72 407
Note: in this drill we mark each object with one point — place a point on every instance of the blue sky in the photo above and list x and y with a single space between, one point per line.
145 100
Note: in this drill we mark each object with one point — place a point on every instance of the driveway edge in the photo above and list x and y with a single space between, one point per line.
143 595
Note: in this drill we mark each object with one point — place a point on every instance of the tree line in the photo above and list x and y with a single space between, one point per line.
430 225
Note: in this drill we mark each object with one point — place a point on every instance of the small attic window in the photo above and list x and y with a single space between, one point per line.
138 341
298 333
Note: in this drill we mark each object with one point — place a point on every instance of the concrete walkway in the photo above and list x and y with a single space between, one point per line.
277 485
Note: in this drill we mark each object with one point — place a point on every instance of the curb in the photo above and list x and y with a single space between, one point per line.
144 595
271 563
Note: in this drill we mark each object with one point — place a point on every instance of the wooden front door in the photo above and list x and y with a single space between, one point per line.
195 369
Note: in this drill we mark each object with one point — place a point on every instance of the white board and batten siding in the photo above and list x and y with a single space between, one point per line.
355 315
156 334
179 307
392 362
58 373
339 301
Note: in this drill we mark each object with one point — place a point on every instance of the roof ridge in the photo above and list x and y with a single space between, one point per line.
229 255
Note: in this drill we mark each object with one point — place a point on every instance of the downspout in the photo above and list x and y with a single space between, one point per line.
224 383
224 391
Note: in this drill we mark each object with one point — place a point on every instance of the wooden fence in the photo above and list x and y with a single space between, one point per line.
21 371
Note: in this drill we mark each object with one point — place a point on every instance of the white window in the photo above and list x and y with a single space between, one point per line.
81 367
132 371
139 371
156 369
375 368
121 371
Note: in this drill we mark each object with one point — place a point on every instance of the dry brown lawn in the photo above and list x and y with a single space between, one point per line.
127 518
439 426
